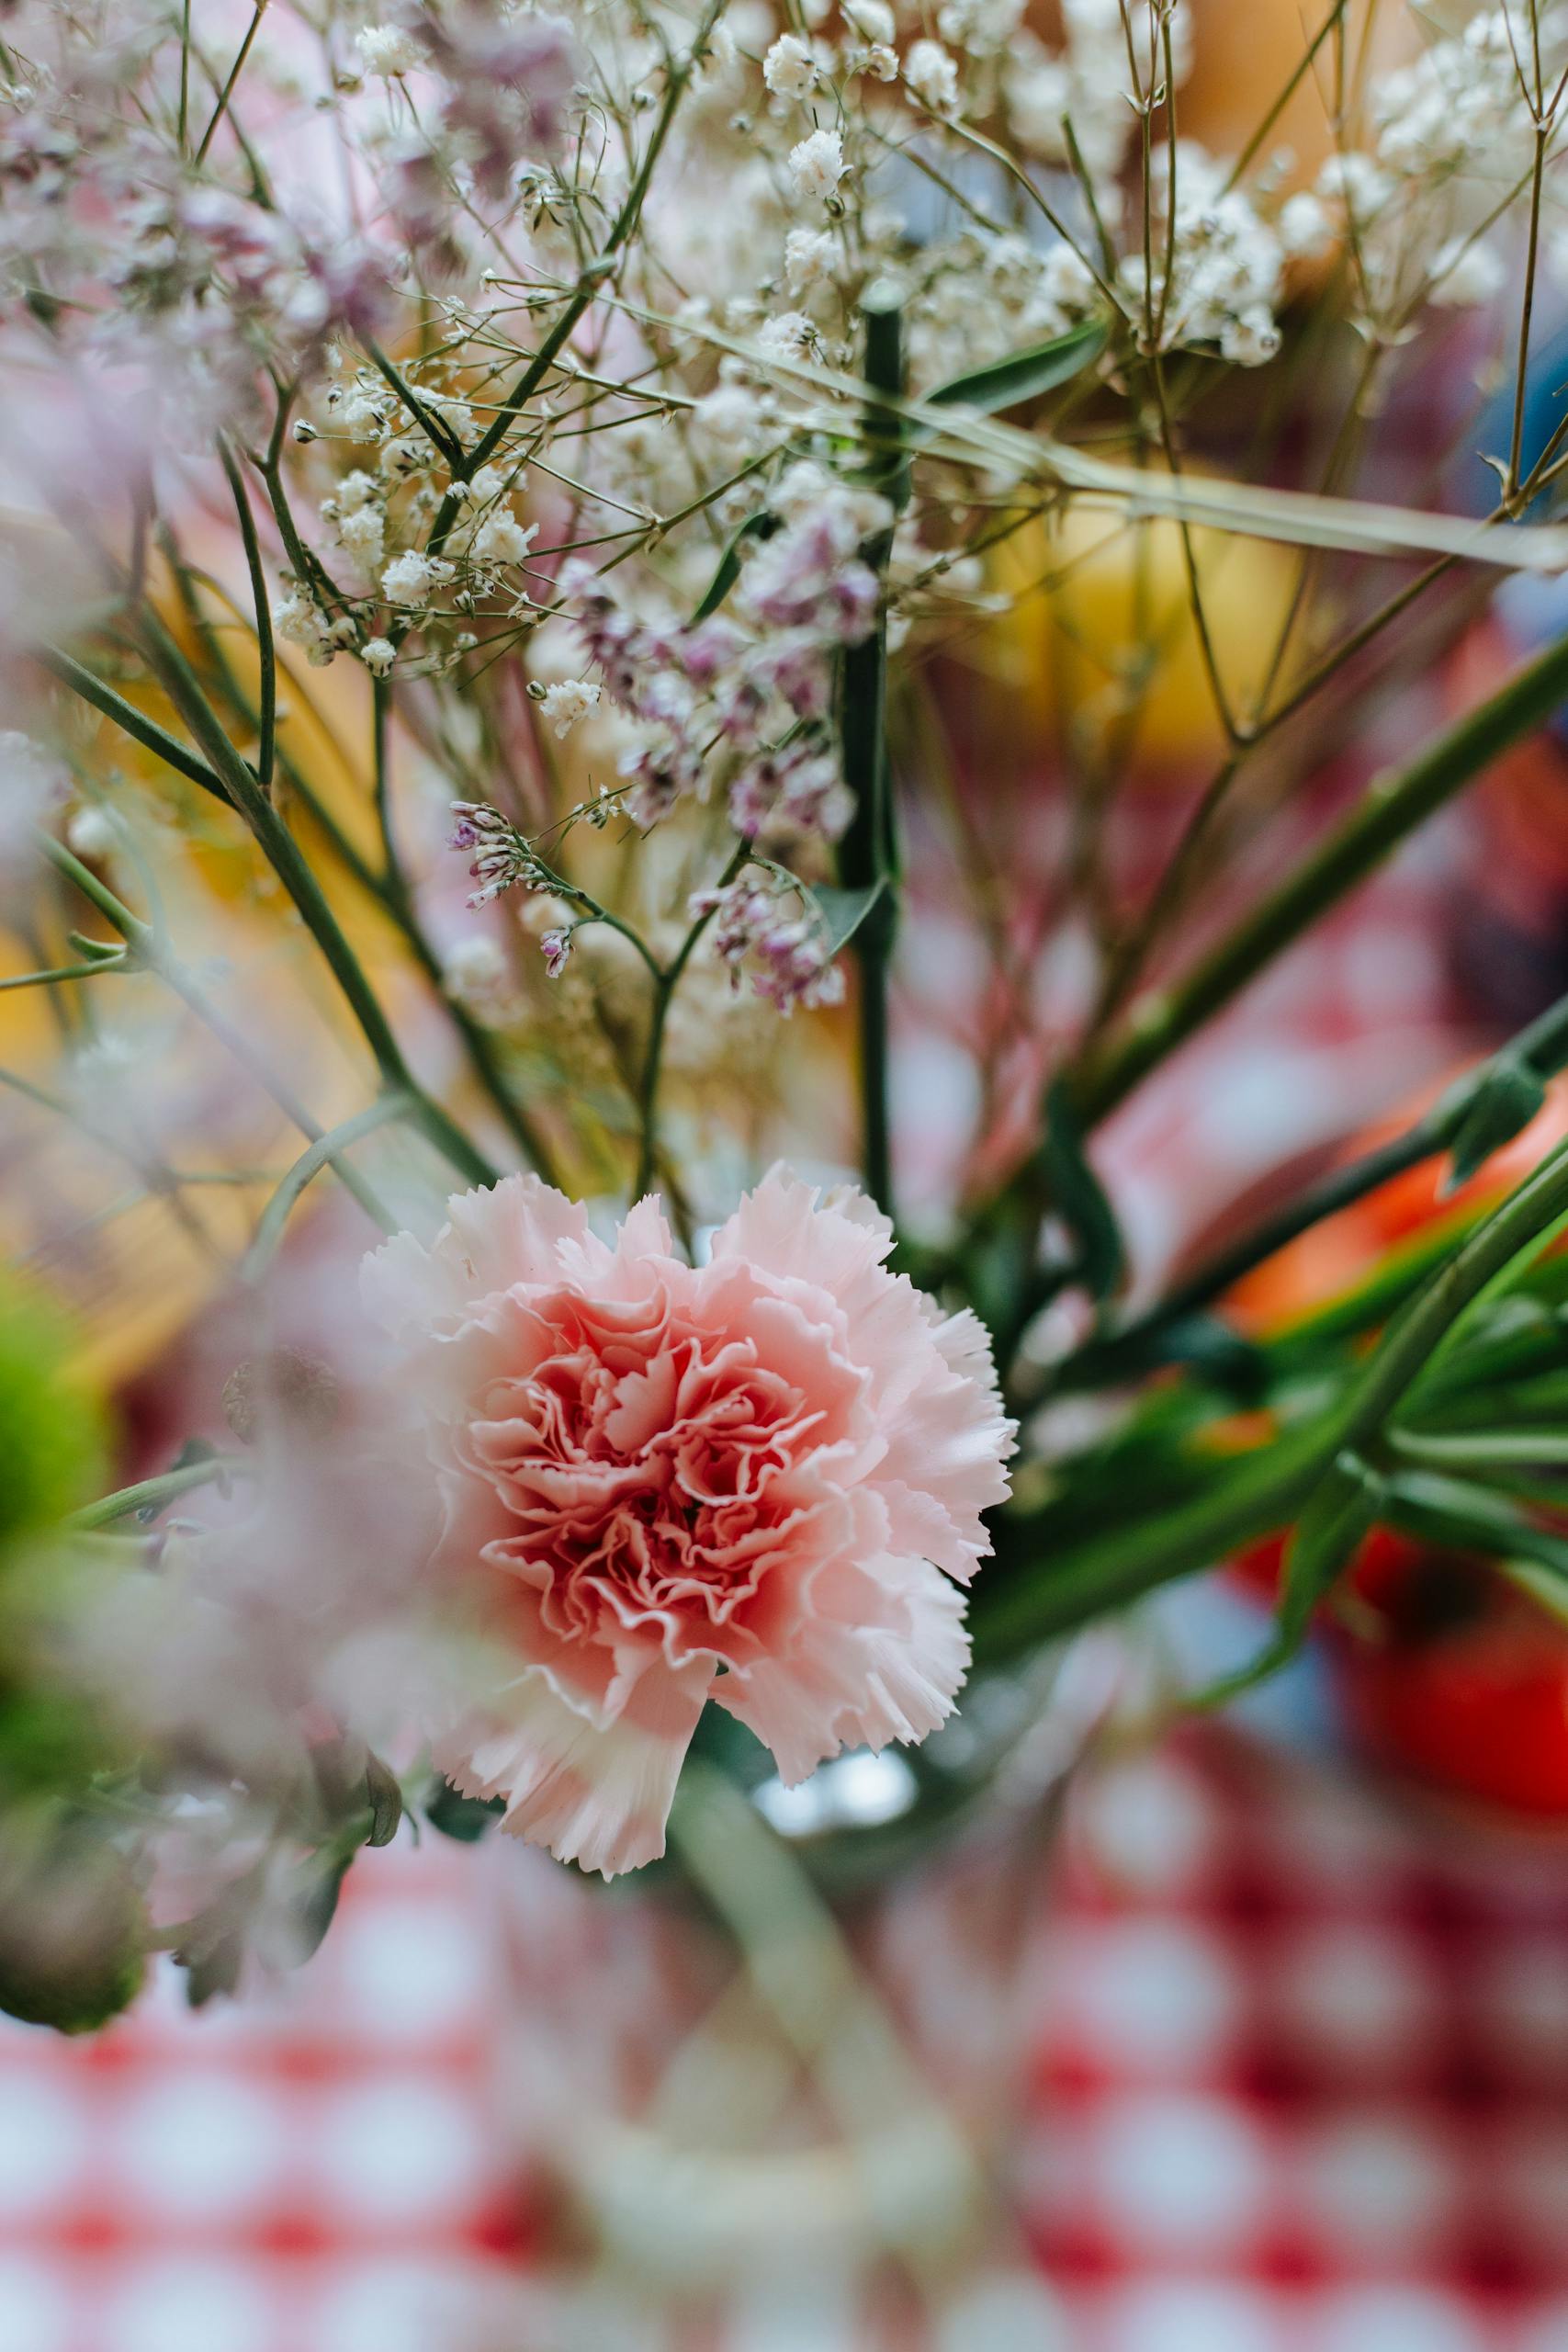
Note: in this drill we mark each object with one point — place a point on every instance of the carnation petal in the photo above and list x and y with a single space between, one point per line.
885 1663
595 1794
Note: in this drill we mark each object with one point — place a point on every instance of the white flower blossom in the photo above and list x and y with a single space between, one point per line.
413 579
1466 271
1305 227
932 76
817 164
389 51
808 257
568 701
92 832
873 19
501 538
378 653
788 335
788 68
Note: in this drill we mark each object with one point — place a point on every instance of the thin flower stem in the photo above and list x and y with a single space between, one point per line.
130 721
1015 1611
265 648
145 942
66 972
222 108
1527 309
321 1154
151 1494
294 871
666 980
1541 1046
867 854
1390 811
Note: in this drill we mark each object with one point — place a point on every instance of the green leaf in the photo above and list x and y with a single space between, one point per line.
1507 1098
385 1801
465 1818
844 911
1004 382
1079 1198
760 526
314 1904
1462 1517
1343 1509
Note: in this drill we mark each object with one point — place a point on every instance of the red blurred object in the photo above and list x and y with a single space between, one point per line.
1448 1672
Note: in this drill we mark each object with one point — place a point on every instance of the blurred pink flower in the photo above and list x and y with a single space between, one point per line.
750 1480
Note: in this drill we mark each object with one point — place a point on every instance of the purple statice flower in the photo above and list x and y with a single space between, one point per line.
786 955
502 858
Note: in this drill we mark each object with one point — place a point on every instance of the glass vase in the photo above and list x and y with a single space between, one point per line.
763 2093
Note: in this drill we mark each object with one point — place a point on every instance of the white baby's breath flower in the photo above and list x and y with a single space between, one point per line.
817 164
297 621
501 538
1251 339
790 335
788 68
481 487
1466 271
362 533
413 579
932 76
377 653
873 19
568 701
1304 225
92 832
388 50
808 257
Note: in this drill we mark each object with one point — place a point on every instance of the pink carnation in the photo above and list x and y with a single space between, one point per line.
750 1480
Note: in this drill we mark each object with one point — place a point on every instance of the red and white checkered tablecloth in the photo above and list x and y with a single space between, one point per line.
1301 2078
1301 2085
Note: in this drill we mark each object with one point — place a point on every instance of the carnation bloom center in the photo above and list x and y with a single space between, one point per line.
759 1481
651 1472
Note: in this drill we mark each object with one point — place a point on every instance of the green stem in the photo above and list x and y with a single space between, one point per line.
293 870
1269 1488
867 854
222 108
266 650
150 1493
130 721
1541 1046
145 942
322 1153
1389 812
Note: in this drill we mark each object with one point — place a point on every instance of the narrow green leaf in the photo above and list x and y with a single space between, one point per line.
464 1818
1343 1509
1462 1517
1026 375
1504 1103
844 911
385 1801
760 526
1079 1198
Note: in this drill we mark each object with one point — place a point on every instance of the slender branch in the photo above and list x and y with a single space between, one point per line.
1542 1047
321 1154
266 649
130 721
151 1494
867 855
294 871
1389 812
222 108
1015 1611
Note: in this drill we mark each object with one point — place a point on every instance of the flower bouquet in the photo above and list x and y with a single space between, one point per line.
655 656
